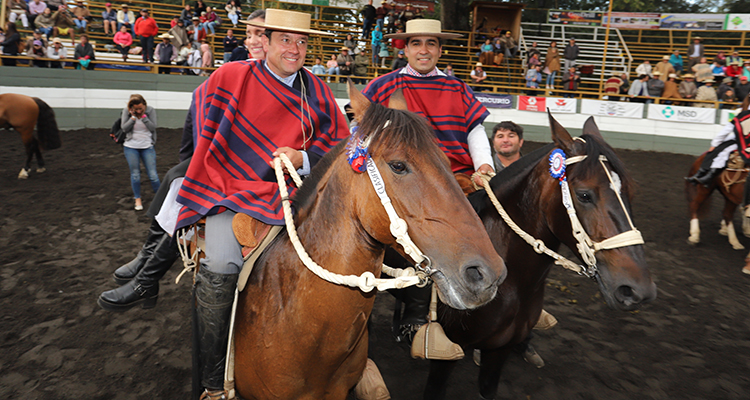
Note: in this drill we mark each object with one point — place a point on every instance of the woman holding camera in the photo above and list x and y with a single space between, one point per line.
138 121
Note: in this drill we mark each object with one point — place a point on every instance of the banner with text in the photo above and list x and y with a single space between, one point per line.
587 18
555 104
494 100
728 115
682 114
737 22
711 22
612 108
626 20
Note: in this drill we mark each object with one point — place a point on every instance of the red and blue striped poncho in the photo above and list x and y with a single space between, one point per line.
448 104
241 115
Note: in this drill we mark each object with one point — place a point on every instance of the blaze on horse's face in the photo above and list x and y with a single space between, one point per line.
624 279
417 178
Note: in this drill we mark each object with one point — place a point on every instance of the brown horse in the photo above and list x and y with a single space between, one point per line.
300 337
533 199
23 113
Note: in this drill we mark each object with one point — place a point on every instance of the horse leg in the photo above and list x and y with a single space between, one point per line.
728 214
489 371
700 196
30 144
695 232
745 225
723 228
39 159
437 380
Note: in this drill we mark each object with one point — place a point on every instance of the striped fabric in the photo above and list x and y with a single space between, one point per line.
241 115
447 103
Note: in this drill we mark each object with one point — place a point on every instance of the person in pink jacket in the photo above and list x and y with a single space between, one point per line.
122 41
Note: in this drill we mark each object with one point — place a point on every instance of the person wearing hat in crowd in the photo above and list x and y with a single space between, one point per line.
36 8
82 16
345 62
676 60
477 76
37 35
260 89
165 52
179 34
125 17
509 46
63 23
196 32
109 20
742 88
37 52
655 85
147 29
706 92
665 68
57 52
399 61
687 87
123 40
361 62
84 53
733 71
45 23
671 91
695 52
734 57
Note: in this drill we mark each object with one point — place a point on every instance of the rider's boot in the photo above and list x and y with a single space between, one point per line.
144 288
416 307
127 272
214 294
706 179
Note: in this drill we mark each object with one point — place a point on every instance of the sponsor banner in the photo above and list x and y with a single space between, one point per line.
541 104
494 100
587 18
711 22
737 22
728 116
626 20
682 114
612 108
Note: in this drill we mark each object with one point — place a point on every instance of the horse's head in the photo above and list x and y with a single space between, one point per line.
417 177
601 190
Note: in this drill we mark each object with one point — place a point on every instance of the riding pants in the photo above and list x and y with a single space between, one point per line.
223 251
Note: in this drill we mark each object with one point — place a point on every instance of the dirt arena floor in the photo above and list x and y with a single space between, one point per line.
63 232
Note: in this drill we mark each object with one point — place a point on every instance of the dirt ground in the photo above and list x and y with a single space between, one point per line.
63 232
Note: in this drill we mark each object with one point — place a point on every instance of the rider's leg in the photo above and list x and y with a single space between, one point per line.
128 271
416 307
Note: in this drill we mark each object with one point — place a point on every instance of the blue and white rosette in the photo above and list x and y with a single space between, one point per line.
557 164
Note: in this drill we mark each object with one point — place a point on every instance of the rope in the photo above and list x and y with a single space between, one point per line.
729 179
189 262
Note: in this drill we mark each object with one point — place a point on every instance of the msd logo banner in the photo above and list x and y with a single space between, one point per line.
682 114
555 104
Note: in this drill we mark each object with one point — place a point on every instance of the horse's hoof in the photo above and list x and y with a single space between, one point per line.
41 169
693 242
738 246
24 174
746 268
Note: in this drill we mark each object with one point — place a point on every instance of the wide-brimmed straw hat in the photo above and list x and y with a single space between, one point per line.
656 73
672 76
688 76
423 27
344 48
665 58
166 36
56 40
709 80
287 21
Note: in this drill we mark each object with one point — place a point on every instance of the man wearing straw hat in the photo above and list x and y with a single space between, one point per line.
166 52
241 105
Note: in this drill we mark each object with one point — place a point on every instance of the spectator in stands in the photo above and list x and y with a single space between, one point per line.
486 52
84 53
735 57
726 99
54 4
207 58
726 84
509 45
406 15
57 52
184 53
199 8
533 79
625 83
733 70
318 68
197 34
19 10
233 12
478 76
664 67
671 91
551 64
123 41
63 23
36 8
676 60
397 44
333 66
10 44
570 81
507 140
717 70
212 21
706 92
695 52
173 22
165 52
534 61
361 62
125 17
399 62
655 86
186 15
612 88
702 70
109 20
37 51
570 53
345 62
644 69
449 70
746 68
179 34
742 88
82 15
368 18
720 58
377 40
230 43
45 23
639 88
535 49
687 87
37 35
138 121
147 29
380 14
350 43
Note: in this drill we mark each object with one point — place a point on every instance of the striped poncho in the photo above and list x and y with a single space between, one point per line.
241 115
448 104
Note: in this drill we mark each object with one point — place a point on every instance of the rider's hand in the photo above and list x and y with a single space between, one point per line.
484 169
295 156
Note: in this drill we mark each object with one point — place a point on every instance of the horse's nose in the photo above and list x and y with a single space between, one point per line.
630 297
479 276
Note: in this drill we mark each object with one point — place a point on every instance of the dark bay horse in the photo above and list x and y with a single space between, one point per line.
533 199
23 113
298 336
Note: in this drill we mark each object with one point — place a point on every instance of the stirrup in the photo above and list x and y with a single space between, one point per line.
430 341
546 321
214 395
371 386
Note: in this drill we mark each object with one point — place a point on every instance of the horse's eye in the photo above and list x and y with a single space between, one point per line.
398 167
584 197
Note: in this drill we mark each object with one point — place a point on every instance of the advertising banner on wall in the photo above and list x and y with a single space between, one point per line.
728 115
587 18
737 22
612 108
682 114
541 104
711 22
626 20
494 100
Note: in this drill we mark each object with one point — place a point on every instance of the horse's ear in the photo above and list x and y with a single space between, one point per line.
397 101
746 103
590 128
560 136
358 102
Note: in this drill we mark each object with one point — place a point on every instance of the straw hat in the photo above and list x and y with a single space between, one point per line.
656 73
688 76
734 63
665 58
56 40
673 76
344 48
423 27
166 36
479 64
709 80
125 6
287 21
727 80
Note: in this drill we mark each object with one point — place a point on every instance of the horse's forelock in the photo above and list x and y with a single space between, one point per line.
596 147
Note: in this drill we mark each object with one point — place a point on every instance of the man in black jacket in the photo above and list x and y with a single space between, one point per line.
368 15
742 89
570 54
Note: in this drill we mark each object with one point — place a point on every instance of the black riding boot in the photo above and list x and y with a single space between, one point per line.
144 288
214 294
705 177
128 271
416 307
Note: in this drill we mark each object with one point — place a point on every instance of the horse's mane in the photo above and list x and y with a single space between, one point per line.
596 146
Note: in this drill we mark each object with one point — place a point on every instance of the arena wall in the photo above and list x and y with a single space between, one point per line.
93 99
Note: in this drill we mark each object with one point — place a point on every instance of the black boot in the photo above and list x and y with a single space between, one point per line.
417 306
214 297
707 177
128 271
144 288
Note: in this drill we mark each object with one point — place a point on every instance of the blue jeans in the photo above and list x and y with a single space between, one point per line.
134 157
551 78
80 23
234 18
209 25
375 52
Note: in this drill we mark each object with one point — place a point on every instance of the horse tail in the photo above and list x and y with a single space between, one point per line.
691 190
46 126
